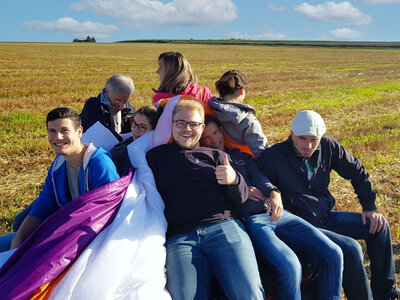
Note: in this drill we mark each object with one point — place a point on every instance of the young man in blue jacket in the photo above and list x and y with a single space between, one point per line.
300 168
77 169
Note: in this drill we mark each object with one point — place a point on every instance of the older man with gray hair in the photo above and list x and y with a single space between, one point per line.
300 168
111 107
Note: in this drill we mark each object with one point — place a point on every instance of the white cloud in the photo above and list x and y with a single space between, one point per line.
342 13
265 34
347 34
151 13
380 1
75 28
275 7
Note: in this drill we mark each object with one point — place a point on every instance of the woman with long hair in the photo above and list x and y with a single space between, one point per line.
177 78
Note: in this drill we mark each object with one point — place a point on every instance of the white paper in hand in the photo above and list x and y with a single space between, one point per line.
100 136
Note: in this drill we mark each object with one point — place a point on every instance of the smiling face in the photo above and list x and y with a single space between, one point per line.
305 144
212 137
118 100
140 125
63 137
187 137
161 71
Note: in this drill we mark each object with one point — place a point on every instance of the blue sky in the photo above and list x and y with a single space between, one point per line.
116 20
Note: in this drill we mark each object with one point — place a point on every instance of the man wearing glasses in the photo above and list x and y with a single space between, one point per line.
197 184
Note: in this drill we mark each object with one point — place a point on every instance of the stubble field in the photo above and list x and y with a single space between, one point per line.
357 91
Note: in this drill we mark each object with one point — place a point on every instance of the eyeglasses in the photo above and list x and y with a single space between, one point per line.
181 124
139 127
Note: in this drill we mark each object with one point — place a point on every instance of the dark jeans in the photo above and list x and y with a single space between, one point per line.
344 228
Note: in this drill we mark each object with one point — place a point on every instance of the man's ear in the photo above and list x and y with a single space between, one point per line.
241 91
80 131
202 127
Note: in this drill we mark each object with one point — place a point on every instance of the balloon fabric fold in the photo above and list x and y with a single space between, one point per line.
60 239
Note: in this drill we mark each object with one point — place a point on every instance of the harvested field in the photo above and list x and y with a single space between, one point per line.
357 91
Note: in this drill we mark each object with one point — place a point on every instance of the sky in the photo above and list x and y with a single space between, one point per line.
120 20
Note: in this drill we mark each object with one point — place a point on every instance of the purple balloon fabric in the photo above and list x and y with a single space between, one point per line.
60 239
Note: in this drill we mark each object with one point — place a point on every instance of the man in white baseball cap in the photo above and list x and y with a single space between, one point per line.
300 168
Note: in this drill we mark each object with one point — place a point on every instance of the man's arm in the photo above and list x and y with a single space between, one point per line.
258 178
349 167
254 136
27 227
102 171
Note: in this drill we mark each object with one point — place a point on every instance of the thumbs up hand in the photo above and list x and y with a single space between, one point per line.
225 174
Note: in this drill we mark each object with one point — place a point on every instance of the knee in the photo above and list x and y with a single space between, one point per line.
333 259
291 268
353 253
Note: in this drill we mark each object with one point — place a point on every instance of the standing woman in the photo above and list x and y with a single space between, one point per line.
237 119
177 78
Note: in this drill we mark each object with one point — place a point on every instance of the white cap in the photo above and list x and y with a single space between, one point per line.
308 122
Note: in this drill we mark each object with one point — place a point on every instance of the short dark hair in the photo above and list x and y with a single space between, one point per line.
209 119
151 113
64 113
230 83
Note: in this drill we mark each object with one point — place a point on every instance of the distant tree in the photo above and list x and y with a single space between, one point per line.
87 40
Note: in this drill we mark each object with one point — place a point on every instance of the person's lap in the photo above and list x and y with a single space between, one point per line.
344 228
222 250
302 239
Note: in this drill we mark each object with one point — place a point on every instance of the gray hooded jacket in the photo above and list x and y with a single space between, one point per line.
240 122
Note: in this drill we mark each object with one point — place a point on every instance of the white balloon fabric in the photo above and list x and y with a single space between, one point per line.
126 260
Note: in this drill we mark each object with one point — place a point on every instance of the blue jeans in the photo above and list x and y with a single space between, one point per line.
222 250
344 228
280 242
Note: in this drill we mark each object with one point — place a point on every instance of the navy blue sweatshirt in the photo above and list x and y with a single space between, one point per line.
311 199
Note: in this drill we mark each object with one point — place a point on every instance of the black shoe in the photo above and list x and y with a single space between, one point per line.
394 293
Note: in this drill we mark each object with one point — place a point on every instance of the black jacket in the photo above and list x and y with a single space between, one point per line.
312 200
247 166
94 111
187 184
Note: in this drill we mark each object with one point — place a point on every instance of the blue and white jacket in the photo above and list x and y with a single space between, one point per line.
97 169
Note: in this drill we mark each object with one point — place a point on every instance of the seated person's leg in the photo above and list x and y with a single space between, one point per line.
19 218
5 241
188 270
276 254
309 243
355 280
232 260
379 248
